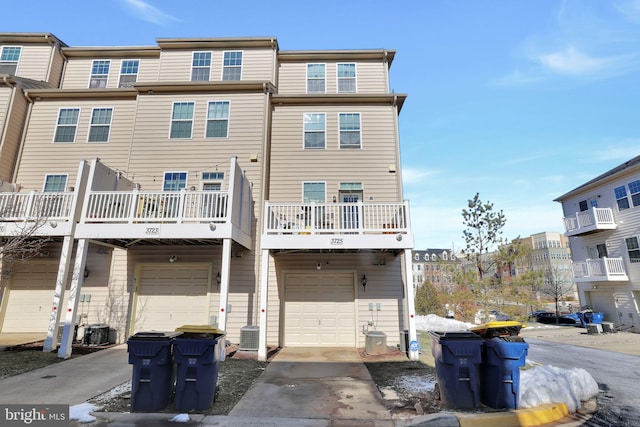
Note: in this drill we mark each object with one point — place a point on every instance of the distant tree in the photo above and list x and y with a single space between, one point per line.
428 300
557 283
20 247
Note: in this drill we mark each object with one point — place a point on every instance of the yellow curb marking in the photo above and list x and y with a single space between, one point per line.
543 414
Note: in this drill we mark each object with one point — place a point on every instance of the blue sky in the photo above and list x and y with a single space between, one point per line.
518 100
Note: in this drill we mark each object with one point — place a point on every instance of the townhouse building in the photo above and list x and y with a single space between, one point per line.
602 222
437 266
217 181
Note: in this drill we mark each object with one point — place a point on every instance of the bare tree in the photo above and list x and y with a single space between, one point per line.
21 246
557 283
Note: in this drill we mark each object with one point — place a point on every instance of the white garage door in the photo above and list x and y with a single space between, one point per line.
319 310
172 295
603 302
30 297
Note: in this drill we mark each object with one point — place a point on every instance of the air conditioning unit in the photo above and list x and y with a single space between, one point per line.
608 328
96 334
375 342
594 328
249 338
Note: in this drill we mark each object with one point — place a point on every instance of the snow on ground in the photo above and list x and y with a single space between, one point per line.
538 385
82 412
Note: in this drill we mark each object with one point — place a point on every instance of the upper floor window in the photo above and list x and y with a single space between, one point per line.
232 66
621 198
584 205
174 181
9 59
316 81
99 73
346 78
349 130
313 192
314 130
182 120
444 256
416 257
128 72
633 248
201 66
634 189
433 257
67 125
218 119
100 124
212 181
54 183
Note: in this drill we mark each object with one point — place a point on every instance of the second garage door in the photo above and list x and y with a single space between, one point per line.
319 310
173 295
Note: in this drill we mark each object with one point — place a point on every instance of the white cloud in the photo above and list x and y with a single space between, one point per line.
573 62
411 175
149 13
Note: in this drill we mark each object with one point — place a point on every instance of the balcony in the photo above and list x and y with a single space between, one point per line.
48 213
590 221
336 225
600 270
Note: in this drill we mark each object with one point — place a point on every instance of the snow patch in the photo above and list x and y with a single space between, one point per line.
82 412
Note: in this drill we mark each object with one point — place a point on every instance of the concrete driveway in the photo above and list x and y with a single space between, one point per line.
314 383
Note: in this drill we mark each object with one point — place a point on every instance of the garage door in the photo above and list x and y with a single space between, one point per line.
603 302
30 297
319 310
172 295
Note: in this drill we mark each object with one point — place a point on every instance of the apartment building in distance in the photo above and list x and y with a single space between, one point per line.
216 181
437 266
602 221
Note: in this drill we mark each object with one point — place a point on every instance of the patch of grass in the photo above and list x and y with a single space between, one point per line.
17 362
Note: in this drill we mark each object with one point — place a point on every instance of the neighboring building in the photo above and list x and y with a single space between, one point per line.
602 219
437 266
205 181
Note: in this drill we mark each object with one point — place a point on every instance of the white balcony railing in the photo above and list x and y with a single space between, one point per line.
35 206
336 218
593 219
164 206
600 269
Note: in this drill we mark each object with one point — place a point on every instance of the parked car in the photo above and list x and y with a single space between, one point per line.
548 318
534 314
493 316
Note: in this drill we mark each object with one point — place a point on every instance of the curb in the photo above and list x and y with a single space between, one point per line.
543 414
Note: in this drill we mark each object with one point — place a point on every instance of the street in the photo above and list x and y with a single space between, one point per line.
617 376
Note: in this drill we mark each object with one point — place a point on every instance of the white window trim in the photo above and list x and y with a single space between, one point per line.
193 118
106 85
340 130
304 131
55 129
128 74
355 78
220 181
164 176
223 66
206 119
48 174
90 125
313 182
307 77
13 62
192 66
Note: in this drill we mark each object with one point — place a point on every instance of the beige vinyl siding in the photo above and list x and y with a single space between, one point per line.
371 77
57 68
78 71
34 61
15 115
41 155
175 65
291 164
384 287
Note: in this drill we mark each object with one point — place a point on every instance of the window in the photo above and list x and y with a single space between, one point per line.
416 257
633 248
634 189
67 124
232 66
313 192
128 72
621 198
218 119
55 183
444 256
433 257
100 124
346 78
586 204
182 119
349 130
99 73
9 59
201 66
174 181
316 82
314 130
212 181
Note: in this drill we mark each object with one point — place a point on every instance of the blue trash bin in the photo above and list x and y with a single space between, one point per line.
457 356
500 371
152 376
197 358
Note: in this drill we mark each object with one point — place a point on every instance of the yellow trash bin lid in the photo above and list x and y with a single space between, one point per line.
199 331
498 329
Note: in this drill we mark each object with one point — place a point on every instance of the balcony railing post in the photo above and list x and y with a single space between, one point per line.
133 207
181 205
30 201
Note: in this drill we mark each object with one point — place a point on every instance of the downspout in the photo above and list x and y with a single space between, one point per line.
18 157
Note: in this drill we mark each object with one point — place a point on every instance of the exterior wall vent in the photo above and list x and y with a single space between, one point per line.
249 338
